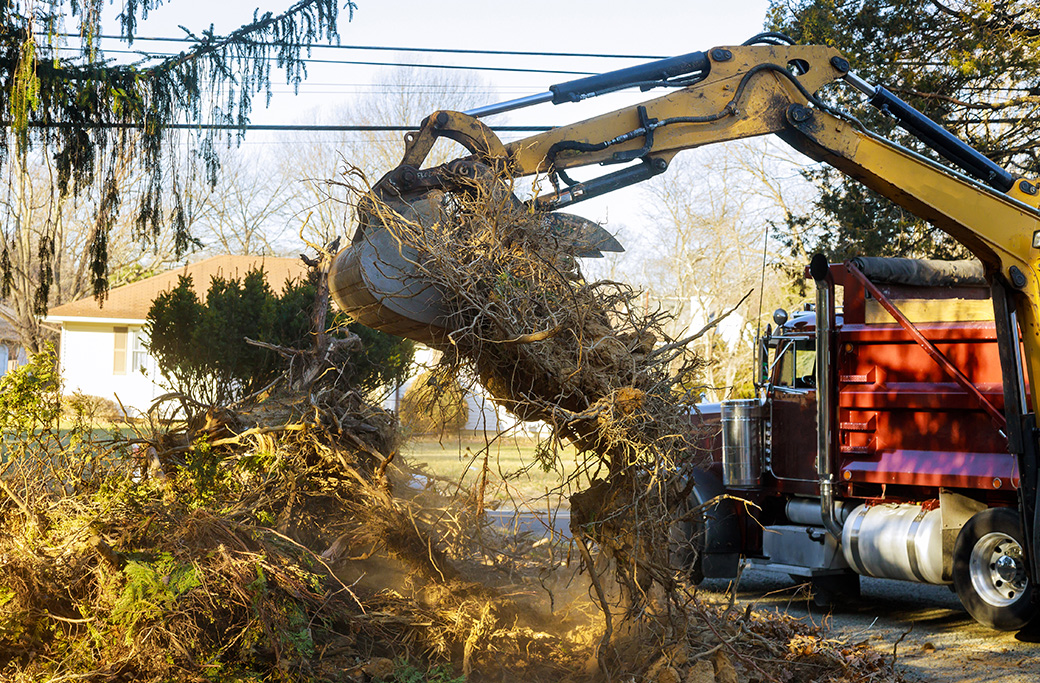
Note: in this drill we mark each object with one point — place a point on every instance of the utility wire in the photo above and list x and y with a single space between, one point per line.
275 127
438 50
309 60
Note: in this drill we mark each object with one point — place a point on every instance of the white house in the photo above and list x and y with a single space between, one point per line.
102 350
483 416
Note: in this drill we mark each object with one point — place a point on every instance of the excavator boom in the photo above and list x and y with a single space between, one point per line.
726 93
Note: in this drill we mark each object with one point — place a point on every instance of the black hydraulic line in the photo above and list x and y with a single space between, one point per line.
661 70
769 38
949 146
649 125
578 192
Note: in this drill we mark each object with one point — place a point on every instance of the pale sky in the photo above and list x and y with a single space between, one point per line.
661 28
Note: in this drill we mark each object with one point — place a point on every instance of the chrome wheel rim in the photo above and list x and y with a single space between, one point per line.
998 570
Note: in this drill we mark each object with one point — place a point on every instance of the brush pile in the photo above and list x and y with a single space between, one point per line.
282 539
579 355
254 542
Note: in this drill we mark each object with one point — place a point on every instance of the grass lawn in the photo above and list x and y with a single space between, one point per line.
514 473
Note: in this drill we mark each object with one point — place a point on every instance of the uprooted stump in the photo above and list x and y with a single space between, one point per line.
496 285
549 345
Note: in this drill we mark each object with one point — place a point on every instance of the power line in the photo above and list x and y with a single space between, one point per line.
387 91
424 87
309 60
385 48
332 128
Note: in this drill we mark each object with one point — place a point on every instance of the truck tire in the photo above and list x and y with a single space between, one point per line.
710 545
989 570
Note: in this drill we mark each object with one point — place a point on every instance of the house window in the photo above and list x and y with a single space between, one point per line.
139 360
120 335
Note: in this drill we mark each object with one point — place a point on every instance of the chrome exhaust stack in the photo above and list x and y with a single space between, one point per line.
826 392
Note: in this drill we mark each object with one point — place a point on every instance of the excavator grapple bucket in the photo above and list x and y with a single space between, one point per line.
384 281
377 279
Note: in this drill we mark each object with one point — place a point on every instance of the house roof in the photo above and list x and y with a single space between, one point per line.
132 302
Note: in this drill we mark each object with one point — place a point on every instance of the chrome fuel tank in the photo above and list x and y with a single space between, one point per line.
895 542
742 442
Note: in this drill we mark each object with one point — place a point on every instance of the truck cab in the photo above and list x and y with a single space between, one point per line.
913 463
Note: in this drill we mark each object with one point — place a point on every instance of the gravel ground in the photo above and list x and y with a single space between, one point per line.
941 642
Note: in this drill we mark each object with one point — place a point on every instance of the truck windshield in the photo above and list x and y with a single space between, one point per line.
796 364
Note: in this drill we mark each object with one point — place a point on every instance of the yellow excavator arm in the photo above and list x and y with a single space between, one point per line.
731 93
750 91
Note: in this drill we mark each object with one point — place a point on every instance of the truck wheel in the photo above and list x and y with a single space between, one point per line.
989 570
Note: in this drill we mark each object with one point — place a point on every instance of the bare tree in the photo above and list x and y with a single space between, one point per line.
400 97
713 211
47 245
247 212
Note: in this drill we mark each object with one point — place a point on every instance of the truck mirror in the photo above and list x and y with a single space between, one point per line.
762 375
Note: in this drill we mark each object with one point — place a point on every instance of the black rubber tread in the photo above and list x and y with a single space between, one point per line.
1012 617
835 589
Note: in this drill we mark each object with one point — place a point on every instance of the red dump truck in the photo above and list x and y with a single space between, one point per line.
910 468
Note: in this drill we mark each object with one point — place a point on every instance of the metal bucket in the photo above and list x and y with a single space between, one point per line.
742 443
379 281
375 280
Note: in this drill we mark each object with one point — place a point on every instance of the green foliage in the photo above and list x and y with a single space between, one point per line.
47 441
30 396
972 65
201 347
11 620
206 477
88 409
152 589
295 634
406 672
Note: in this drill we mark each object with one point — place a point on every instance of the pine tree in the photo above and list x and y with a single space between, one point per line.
973 65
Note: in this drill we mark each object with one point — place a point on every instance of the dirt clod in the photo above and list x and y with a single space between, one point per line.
669 674
379 668
724 671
